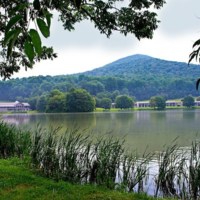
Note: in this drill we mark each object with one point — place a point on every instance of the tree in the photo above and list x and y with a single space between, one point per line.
158 102
41 103
106 103
123 101
33 102
115 94
23 22
93 87
56 102
198 99
188 101
79 100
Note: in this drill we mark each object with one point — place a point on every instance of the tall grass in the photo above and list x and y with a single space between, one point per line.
77 157
167 162
179 172
13 141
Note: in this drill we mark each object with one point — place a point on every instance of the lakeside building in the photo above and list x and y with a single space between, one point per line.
197 103
14 106
174 103
144 104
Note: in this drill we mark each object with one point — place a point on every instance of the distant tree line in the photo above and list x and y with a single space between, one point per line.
46 93
100 87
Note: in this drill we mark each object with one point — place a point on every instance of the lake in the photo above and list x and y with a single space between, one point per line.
142 130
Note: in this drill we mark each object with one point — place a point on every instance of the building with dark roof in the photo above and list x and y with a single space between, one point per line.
14 106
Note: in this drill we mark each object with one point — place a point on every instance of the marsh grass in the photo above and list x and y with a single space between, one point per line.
167 163
13 141
133 172
77 157
179 172
193 171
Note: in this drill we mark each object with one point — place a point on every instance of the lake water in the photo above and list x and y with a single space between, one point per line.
142 129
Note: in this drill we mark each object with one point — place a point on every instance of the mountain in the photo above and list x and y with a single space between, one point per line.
139 76
146 66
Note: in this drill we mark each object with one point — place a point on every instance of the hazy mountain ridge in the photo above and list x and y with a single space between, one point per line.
142 65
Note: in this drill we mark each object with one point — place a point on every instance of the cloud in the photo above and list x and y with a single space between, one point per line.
85 48
180 17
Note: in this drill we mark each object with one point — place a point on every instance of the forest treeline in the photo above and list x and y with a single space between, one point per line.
140 77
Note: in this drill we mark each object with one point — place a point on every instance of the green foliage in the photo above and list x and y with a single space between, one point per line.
138 76
19 182
75 157
56 102
198 98
93 87
106 103
32 102
123 102
158 102
79 100
188 101
13 141
41 104
22 46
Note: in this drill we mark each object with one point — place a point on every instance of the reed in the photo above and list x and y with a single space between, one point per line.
13 141
133 172
194 171
107 155
179 172
74 157
77 157
167 163
74 151
36 146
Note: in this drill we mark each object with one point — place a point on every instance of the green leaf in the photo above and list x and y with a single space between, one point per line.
11 40
29 51
48 18
12 22
36 4
197 84
196 43
192 56
77 3
8 36
9 50
43 27
36 41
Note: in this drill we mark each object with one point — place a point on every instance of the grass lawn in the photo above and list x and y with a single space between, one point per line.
19 182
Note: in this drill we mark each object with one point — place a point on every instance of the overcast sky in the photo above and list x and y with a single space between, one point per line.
85 48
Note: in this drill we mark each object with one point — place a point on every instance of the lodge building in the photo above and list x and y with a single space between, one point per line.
14 106
144 104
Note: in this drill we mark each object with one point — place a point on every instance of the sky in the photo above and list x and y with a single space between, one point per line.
86 49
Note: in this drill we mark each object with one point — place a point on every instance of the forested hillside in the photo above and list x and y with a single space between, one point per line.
138 76
146 67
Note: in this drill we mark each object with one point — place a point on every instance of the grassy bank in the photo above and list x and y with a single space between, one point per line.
91 165
19 182
145 109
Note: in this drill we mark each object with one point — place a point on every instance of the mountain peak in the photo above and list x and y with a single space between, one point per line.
143 65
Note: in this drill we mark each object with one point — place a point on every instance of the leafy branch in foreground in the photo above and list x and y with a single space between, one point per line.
195 55
23 22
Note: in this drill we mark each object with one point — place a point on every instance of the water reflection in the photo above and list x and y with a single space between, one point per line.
17 119
141 128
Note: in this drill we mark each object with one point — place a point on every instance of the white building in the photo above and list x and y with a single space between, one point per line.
142 104
14 106
174 103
